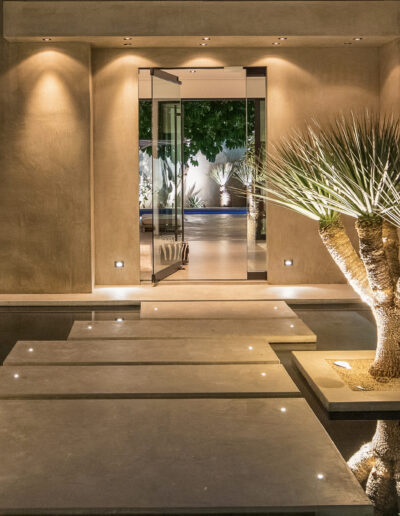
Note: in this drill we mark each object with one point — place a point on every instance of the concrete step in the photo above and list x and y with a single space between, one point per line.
172 381
273 330
198 456
215 310
151 351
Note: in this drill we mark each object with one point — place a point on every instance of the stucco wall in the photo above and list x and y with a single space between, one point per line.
390 77
302 83
116 177
44 168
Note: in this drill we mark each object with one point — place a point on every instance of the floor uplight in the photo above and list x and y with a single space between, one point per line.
16 375
250 348
119 319
320 476
263 374
30 350
283 409
342 363
89 327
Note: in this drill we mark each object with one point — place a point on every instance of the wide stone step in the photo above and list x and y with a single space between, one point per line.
273 330
215 310
48 382
135 352
172 457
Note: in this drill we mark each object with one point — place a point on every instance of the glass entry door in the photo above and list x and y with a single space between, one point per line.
167 199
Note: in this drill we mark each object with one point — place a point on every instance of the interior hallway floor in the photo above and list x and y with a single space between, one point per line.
217 249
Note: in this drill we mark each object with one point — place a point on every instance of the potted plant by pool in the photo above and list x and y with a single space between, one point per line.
350 167
221 173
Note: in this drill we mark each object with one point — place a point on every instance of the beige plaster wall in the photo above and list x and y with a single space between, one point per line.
116 176
44 168
390 77
302 83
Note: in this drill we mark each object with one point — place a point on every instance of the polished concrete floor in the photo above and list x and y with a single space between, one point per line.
218 249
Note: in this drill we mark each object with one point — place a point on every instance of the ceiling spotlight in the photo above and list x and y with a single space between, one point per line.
16 375
127 38
127 44
358 38
203 44
119 264
206 38
282 38
320 476
192 71
276 43
119 319
46 39
348 43
288 262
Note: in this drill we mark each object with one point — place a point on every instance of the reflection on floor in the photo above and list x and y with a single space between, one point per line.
217 248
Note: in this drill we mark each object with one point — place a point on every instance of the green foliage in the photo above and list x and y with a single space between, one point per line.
209 125
352 167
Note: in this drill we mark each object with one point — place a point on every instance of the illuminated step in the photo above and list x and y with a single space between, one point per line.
199 456
273 330
131 352
215 310
48 382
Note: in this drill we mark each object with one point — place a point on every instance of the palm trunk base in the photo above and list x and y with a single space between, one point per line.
387 357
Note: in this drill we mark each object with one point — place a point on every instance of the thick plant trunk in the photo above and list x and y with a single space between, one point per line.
390 240
337 242
224 197
251 216
387 356
373 255
379 462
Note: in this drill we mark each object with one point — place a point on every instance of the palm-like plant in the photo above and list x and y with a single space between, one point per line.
351 167
221 174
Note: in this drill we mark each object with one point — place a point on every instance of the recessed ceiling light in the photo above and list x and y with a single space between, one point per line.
127 44
282 38
206 38
288 262
348 43
276 43
203 44
358 38
192 71
46 39
127 38
119 264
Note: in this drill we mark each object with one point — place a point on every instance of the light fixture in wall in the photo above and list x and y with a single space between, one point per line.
119 264
46 39
119 319
282 38
206 38
127 38
288 262
276 43
358 38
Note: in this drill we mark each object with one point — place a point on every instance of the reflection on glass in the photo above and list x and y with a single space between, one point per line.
256 209
166 177
376 465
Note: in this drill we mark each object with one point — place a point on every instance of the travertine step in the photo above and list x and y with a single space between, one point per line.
151 351
215 310
172 456
273 330
244 380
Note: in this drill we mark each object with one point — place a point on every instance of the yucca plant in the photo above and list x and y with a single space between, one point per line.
221 174
350 167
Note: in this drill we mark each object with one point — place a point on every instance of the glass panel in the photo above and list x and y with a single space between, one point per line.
167 175
256 208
